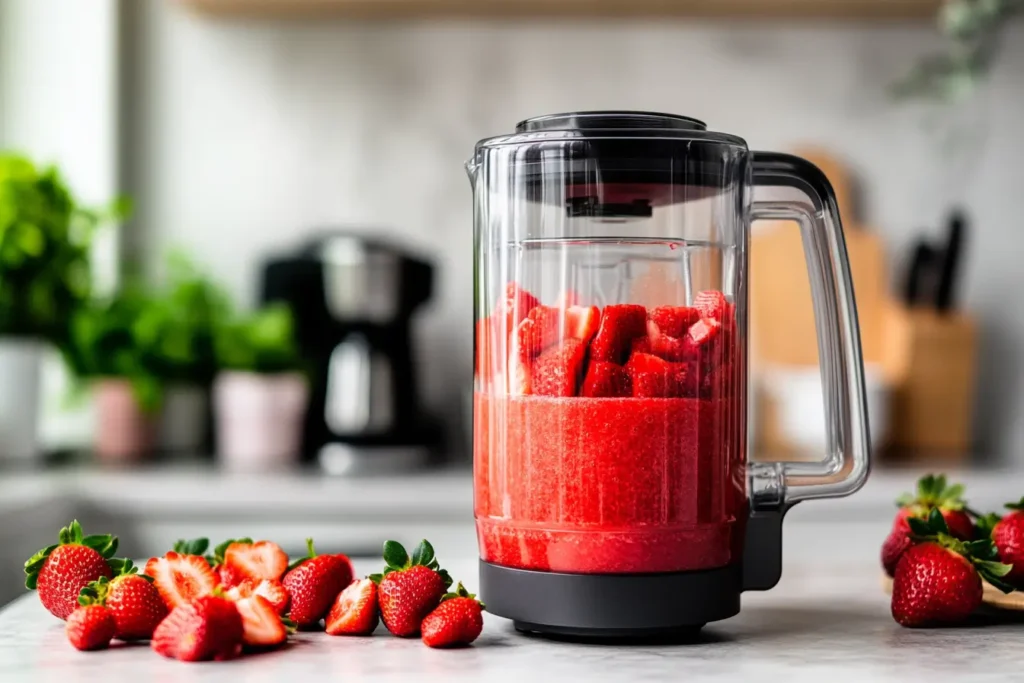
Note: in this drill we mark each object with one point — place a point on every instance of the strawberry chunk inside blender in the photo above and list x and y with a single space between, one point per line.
618 446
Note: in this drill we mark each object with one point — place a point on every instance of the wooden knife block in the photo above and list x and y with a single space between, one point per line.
932 359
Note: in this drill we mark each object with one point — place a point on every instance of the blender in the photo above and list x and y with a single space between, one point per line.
612 492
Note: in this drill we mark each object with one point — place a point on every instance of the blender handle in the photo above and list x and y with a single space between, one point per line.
847 460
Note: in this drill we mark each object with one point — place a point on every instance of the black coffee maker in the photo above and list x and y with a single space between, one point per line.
353 299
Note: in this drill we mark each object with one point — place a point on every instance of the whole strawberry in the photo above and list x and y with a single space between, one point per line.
132 599
932 493
1008 537
90 628
60 572
456 621
938 580
313 582
208 627
410 588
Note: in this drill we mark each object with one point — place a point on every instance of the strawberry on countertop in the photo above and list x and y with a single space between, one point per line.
356 611
228 577
410 587
132 599
181 578
313 583
932 493
938 580
208 627
90 627
1008 536
458 620
60 572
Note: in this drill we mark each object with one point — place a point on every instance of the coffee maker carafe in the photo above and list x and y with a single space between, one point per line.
613 495
353 299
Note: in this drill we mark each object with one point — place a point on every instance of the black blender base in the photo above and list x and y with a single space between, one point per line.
679 634
611 606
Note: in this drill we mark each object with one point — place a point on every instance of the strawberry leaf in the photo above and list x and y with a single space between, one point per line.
1019 505
196 546
423 554
984 526
443 573
376 578
395 556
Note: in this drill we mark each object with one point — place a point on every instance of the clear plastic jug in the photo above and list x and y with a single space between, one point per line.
611 275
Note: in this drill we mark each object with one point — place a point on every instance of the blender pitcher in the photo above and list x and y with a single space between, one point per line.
612 491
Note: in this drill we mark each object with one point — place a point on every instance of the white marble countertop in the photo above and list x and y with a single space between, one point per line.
824 621
827 618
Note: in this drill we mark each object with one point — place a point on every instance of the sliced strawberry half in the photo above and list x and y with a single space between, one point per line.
606 380
257 561
582 322
704 331
674 321
271 589
261 624
516 305
355 611
620 325
180 579
711 304
557 371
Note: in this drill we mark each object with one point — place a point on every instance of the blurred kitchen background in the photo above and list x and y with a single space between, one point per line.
249 134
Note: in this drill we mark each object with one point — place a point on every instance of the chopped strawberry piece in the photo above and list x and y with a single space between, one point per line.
515 306
711 304
620 325
180 579
539 331
519 381
257 561
672 349
704 331
582 322
605 380
557 371
261 624
641 345
271 589
653 377
674 321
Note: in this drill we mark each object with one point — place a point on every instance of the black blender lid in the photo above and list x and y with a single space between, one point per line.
639 158
609 120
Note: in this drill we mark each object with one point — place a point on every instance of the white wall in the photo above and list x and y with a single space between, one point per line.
59 103
249 134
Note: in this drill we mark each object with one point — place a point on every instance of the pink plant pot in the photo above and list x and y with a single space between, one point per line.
124 433
259 419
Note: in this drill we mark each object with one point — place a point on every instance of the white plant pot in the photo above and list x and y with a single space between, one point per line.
183 419
20 378
259 419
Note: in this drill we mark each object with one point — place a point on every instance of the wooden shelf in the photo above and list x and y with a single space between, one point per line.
878 10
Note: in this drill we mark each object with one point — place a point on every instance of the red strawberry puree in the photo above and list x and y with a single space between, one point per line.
608 485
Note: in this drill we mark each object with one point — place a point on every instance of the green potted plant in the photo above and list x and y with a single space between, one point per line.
261 394
44 278
113 346
179 325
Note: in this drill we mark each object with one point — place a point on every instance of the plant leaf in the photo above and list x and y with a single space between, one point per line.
424 554
395 556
